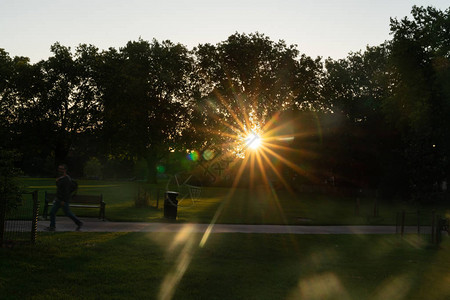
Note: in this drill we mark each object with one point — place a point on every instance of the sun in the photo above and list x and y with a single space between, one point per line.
253 141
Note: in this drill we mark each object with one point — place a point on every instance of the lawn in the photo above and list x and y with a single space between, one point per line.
242 206
229 266
83 265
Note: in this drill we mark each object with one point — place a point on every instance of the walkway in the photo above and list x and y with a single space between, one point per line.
95 225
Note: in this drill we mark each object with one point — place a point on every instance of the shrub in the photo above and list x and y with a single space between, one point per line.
10 191
93 168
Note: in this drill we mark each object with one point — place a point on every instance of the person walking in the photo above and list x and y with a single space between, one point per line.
63 195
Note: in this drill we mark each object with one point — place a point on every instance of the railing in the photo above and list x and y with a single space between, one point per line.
438 224
19 224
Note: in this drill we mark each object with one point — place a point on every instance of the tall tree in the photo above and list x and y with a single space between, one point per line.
246 80
22 113
69 99
420 103
6 72
146 97
355 87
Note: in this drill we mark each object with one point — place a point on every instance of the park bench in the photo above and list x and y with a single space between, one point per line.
79 201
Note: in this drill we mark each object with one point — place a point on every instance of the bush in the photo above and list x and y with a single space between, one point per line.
118 168
93 168
10 191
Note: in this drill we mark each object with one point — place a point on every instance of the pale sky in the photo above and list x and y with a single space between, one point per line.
327 28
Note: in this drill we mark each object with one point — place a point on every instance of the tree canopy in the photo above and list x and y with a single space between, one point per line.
382 111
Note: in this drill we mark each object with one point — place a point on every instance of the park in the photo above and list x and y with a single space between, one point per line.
165 265
238 170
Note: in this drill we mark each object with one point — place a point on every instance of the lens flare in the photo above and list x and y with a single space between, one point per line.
268 147
192 156
208 154
160 169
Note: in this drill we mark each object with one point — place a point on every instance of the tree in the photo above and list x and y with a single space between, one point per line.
420 101
355 88
70 100
6 71
21 111
146 96
10 190
246 80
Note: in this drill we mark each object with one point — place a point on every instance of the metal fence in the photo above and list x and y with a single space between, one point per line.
437 224
19 224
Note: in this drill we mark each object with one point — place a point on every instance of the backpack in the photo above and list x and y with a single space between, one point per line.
73 186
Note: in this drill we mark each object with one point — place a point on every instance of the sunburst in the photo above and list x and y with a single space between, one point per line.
263 149
253 141
258 143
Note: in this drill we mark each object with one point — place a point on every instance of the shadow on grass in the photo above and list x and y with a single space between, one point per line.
228 266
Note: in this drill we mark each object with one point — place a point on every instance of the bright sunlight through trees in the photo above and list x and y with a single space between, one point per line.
253 141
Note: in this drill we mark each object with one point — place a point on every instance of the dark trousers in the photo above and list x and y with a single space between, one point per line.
67 211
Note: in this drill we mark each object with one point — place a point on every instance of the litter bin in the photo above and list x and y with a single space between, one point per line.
170 205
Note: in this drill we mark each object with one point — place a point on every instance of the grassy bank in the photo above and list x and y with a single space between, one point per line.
228 266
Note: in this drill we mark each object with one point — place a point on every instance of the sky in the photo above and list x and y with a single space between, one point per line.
326 28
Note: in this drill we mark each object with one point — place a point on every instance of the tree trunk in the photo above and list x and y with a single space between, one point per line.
61 151
152 172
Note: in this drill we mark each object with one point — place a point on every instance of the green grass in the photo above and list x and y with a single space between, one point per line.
228 266
242 206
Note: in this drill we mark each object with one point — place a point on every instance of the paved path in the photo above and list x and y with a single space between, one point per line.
95 225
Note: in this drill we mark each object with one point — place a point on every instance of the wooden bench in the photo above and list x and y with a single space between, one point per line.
82 201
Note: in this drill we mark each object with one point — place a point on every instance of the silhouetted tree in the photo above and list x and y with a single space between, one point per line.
420 101
70 99
355 87
246 80
146 96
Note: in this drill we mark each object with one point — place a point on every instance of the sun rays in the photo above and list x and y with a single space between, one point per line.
263 148
264 144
